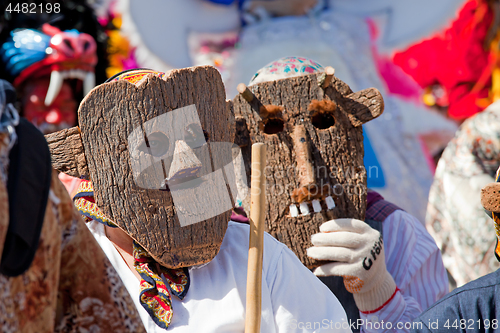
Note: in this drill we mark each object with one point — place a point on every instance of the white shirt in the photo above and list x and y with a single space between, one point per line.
414 261
293 299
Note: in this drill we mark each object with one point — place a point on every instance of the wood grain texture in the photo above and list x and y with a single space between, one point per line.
108 115
336 153
364 105
490 197
67 153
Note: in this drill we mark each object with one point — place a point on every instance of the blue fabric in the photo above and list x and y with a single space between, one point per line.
476 303
374 172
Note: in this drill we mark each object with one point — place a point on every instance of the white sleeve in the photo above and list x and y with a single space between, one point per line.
301 302
414 261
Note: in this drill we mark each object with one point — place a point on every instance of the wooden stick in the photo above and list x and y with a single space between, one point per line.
330 72
245 92
256 246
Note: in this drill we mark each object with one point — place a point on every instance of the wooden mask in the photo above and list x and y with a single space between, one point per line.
312 127
157 148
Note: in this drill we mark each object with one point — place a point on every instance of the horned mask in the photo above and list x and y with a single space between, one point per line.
157 148
311 124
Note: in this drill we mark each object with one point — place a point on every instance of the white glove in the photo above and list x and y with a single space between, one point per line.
357 252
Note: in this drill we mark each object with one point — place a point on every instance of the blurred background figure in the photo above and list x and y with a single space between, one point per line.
53 58
53 275
477 300
336 34
53 55
459 66
455 216
460 71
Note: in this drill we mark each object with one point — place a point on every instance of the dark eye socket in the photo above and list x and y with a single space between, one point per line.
322 113
273 125
195 136
322 120
156 144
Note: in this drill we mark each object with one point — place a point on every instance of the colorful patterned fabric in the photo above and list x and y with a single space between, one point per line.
157 283
84 202
455 216
134 75
285 68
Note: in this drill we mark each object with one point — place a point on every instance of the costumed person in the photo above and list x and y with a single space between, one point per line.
54 277
384 266
475 306
158 151
52 65
455 217
53 59
397 165
459 67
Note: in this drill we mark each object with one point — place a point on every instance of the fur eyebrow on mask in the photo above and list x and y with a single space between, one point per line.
322 106
271 111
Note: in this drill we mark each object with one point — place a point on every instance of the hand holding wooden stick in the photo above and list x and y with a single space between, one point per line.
256 246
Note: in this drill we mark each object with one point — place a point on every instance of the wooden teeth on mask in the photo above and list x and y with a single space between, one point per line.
317 207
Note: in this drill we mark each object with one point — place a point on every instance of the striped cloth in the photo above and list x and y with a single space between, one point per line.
414 261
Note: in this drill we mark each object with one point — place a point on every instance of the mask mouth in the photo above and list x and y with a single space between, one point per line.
57 77
311 199
314 206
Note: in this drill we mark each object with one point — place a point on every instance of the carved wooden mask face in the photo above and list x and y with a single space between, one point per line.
157 152
312 127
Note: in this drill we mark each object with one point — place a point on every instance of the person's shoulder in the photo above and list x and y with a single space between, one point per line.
478 298
401 222
237 237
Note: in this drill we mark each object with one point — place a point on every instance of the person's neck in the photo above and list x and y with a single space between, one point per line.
124 244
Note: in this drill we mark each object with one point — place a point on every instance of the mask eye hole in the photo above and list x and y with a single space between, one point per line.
195 136
273 126
272 118
322 120
156 144
322 113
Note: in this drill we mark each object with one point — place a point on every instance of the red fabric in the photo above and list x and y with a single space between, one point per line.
456 60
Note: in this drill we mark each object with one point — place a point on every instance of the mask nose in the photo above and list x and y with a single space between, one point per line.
185 165
79 46
303 154
308 189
